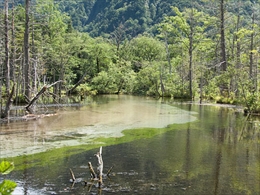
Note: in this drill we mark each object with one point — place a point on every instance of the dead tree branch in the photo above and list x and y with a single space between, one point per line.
54 83
36 97
69 92
100 167
73 176
109 171
92 172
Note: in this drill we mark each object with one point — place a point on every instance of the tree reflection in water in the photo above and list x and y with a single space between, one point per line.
216 154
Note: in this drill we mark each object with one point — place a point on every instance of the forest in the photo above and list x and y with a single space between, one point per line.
204 50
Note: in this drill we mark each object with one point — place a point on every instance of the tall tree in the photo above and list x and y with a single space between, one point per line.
252 36
187 28
26 50
7 58
118 36
222 35
13 45
191 48
55 52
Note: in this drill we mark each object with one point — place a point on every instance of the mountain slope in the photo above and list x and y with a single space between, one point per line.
103 16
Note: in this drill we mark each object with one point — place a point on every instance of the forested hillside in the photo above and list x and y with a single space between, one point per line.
99 17
200 50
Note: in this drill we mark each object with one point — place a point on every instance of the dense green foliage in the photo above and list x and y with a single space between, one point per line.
144 47
99 17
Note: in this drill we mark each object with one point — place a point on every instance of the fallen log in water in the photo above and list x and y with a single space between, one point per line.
36 97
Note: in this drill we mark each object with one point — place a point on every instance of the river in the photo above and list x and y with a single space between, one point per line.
155 147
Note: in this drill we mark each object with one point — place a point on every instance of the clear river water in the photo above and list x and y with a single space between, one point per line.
155 146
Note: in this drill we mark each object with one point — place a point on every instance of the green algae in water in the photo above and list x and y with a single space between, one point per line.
53 155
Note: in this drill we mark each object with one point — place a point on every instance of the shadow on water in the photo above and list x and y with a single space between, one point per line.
216 154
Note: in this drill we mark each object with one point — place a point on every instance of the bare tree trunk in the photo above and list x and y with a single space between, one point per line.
61 77
26 51
191 54
222 36
167 52
238 53
9 102
161 81
34 63
13 48
201 85
251 48
7 58
100 167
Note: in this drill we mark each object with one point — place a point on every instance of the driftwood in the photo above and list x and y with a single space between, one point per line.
36 97
8 104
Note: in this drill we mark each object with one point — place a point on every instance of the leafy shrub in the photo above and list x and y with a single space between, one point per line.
252 103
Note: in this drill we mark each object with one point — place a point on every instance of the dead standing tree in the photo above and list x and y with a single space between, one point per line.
100 167
7 56
97 177
26 50
9 102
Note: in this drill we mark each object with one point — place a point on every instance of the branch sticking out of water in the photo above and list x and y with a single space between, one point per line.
96 178
73 180
100 166
72 175
92 172
109 171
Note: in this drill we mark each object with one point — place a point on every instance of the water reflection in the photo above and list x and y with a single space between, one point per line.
216 154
